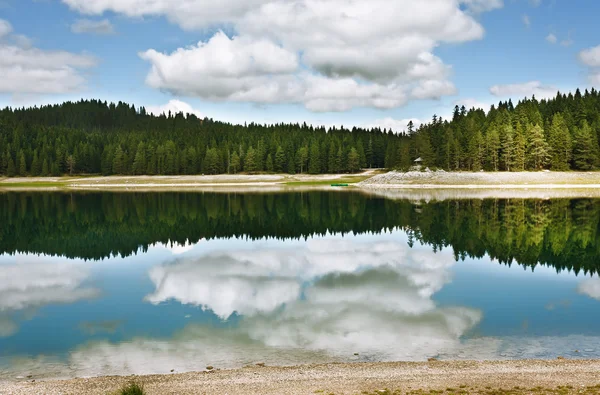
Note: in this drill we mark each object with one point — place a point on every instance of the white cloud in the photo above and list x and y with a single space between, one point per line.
5 28
26 69
32 284
551 38
395 125
526 20
102 27
590 287
373 54
478 6
526 89
175 107
590 57
433 89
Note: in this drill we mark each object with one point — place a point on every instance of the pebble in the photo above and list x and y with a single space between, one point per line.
261 364
209 367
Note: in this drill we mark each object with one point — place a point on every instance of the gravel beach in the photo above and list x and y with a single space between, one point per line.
499 377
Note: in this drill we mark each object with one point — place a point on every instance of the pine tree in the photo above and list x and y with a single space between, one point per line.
585 151
518 158
10 168
507 146
279 160
22 164
71 162
302 158
118 164
250 164
314 166
537 148
139 162
36 167
269 164
493 146
353 161
45 170
560 144
332 159
211 161
235 162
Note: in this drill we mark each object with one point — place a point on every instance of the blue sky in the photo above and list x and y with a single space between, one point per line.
350 62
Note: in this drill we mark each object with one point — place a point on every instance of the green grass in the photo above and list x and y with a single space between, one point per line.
132 388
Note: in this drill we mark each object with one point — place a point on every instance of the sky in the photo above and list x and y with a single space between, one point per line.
357 63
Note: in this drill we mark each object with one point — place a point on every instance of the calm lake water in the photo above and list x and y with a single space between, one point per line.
124 283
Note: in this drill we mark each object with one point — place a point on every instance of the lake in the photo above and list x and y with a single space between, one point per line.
133 283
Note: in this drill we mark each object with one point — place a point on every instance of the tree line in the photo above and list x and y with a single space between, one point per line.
96 137
560 233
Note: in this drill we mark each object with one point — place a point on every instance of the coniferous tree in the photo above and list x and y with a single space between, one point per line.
45 170
585 151
235 162
250 161
353 161
493 148
538 150
560 144
314 166
302 159
279 160
10 168
22 164
507 146
139 162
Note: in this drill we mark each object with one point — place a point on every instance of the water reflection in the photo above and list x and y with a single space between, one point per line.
31 283
332 296
279 279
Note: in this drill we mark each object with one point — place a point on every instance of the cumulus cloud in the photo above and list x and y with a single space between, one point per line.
590 287
551 38
5 28
26 69
30 285
101 27
372 54
590 57
525 89
175 107
318 299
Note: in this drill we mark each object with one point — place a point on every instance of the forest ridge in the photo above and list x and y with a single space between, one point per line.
95 137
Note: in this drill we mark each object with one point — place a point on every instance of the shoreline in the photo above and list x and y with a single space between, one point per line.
413 185
472 377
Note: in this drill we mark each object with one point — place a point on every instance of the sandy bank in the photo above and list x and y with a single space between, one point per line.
238 182
483 180
373 378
